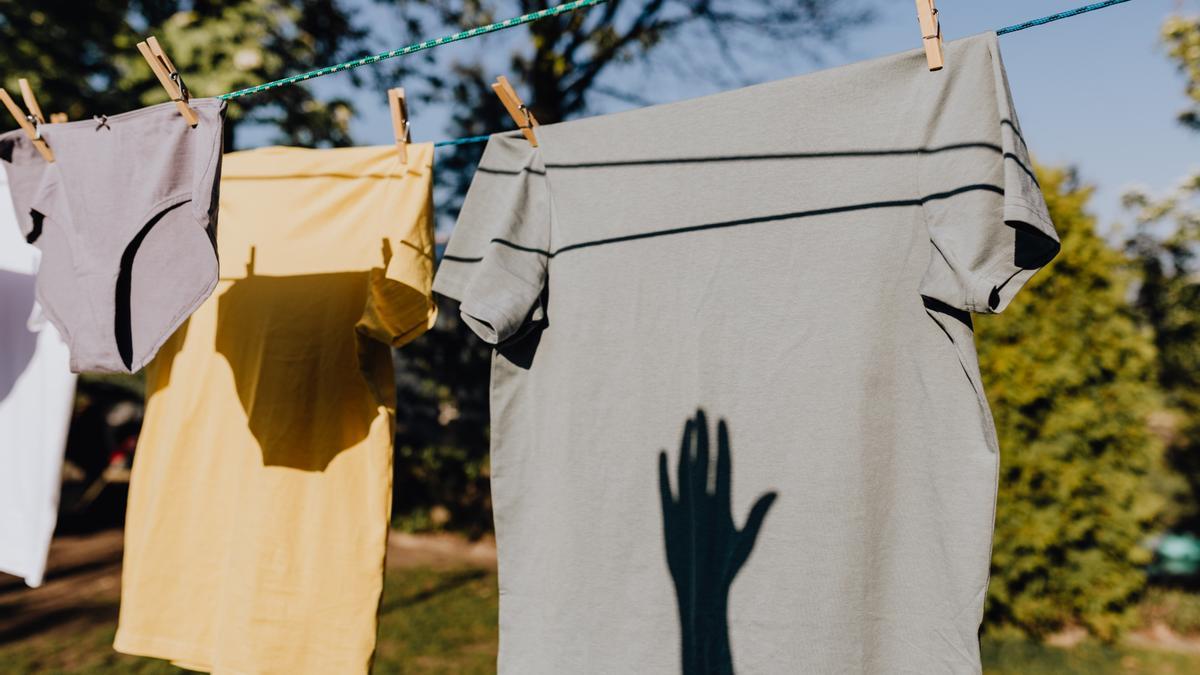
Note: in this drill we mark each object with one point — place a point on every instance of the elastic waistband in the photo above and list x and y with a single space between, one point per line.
159 109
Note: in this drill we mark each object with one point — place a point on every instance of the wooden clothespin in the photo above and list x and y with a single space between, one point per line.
400 124
27 121
35 109
169 77
31 104
520 114
931 33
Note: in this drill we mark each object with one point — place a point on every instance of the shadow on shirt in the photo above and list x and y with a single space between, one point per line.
17 294
310 383
705 549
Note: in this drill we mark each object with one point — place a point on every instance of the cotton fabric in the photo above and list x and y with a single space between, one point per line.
37 391
125 218
261 488
24 170
737 418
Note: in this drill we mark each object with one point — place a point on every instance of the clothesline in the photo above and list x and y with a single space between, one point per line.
555 11
1002 31
1061 15
420 46
462 141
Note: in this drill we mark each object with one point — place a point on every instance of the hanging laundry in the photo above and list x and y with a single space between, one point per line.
261 488
37 391
737 419
125 218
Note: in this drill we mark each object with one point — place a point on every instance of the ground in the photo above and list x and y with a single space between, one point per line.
438 617
438 612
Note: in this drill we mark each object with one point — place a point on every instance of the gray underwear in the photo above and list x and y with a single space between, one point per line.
126 219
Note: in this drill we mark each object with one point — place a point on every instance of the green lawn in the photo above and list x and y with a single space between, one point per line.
433 623
1028 658
444 621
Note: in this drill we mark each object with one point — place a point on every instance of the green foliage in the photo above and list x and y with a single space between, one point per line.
1182 38
1168 301
1070 376
1163 245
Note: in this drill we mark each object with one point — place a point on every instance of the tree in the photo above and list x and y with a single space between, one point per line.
562 71
1163 244
85 62
1181 35
1070 376
1168 300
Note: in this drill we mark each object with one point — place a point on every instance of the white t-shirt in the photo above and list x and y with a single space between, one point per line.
37 391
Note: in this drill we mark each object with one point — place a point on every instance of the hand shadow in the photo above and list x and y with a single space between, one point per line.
705 550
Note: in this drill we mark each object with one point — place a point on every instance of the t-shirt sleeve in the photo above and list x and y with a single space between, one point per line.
986 216
400 305
495 262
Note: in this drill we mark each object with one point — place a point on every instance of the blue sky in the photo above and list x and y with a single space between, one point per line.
1095 91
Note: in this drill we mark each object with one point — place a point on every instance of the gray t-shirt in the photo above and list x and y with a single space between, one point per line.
737 419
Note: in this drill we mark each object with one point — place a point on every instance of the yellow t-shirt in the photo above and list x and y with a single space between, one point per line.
261 490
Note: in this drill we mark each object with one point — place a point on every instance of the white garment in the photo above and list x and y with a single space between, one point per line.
37 391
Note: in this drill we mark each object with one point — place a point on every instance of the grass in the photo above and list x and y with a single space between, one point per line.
438 622
433 622
1015 657
1177 609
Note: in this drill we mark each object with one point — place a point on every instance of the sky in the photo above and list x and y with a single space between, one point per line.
1095 91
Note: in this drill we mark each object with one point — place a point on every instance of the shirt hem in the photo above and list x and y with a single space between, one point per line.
178 653
23 572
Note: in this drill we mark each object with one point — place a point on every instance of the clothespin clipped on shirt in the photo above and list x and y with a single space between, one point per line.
28 122
931 33
58 118
169 77
31 103
400 124
516 109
